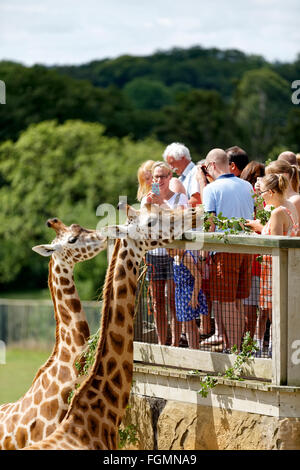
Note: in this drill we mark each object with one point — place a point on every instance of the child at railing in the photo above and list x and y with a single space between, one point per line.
190 300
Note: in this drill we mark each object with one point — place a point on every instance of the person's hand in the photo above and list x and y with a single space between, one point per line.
154 198
255 225
203 176
194 300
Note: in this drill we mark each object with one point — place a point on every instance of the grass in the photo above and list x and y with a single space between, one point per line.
17 374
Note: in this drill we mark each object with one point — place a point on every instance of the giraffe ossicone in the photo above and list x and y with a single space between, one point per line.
98 406
38 413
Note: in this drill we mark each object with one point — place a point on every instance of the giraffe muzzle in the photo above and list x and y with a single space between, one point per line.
56 224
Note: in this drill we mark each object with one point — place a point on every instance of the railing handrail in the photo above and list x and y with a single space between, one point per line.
245 239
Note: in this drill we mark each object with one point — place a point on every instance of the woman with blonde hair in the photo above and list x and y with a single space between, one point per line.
144 176
283 221
282 167
160 273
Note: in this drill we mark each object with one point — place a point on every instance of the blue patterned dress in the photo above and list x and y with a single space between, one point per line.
184 286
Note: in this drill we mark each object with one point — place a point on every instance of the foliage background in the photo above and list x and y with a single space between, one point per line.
73 137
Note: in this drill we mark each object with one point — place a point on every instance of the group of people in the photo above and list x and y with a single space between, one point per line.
231 285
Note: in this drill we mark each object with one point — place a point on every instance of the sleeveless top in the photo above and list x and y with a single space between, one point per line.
292 232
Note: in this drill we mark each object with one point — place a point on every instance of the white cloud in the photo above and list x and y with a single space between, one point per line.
164 22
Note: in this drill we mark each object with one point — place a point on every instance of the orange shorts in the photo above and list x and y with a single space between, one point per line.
230 276
265 297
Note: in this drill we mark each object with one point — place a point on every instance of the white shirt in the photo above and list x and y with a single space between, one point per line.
182 201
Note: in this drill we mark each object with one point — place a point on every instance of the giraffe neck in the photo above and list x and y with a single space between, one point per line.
103 397
39 412
72 330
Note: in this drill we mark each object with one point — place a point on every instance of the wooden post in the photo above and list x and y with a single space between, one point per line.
293 320
279 315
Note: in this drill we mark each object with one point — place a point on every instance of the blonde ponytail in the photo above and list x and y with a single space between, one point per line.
295 178
283 184
275 182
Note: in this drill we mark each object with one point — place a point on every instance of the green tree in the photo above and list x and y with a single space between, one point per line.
148 94
65 171
261 105
36 94
292 131
200 119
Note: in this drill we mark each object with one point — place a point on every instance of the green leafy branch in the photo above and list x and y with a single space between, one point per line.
245 356
228 226
236 225
262 214
127 435
86 359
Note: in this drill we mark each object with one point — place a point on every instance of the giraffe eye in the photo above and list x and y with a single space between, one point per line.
152 222
72 239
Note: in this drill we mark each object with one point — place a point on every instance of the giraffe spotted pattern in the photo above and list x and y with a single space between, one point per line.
38 413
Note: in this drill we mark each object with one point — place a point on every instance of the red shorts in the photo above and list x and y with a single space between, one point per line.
230 276
265 298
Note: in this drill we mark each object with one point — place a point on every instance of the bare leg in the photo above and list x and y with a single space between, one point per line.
241 318
160 314
219 324
205 321
262 323
192 333
176 326
233 324
250 319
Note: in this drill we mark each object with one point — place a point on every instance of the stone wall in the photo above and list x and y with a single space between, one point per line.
174 425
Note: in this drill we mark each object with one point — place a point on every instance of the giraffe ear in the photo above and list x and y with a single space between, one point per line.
46 250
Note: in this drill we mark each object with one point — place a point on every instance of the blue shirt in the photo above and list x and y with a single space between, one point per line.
230 195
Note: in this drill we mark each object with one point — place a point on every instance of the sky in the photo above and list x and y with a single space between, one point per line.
77 31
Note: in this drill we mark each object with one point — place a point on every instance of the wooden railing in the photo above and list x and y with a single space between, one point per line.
284 367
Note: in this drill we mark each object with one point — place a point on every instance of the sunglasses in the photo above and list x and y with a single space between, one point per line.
267 190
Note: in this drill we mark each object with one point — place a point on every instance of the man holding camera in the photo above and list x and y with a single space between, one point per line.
230 273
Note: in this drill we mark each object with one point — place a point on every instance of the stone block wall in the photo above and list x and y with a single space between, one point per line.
174 425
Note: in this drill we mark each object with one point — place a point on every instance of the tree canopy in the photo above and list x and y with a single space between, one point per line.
65 171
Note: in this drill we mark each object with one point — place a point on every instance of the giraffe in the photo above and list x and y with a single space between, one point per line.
98 406
37 414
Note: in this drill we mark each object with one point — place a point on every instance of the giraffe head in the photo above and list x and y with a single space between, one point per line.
153 223
73 243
